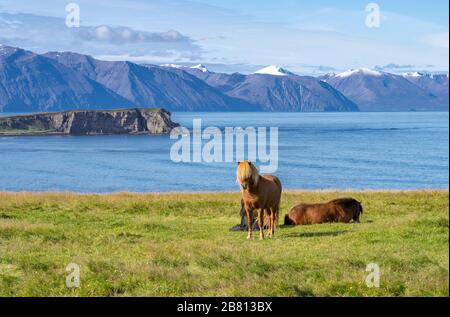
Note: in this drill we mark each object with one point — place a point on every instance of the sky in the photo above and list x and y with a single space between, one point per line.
306 37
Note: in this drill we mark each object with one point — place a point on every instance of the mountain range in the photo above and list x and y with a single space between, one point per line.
380 91
57 81
276 89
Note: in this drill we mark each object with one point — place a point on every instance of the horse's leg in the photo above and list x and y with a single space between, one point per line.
274 218
261 223
272 223
249 213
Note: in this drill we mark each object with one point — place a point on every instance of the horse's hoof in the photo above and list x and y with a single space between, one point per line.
261 238
249 238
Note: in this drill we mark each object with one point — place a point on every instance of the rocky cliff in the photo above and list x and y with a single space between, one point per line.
79 122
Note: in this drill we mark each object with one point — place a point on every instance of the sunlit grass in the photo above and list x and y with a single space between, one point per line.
180 245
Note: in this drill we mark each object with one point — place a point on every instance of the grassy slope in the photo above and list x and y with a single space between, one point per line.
30 130
179 244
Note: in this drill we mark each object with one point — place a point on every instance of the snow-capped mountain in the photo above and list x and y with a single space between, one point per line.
287 92
290 93
374 90
434 84
151 85
422 74
66 80
274 71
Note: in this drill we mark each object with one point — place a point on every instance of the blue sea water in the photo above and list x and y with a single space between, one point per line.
316 151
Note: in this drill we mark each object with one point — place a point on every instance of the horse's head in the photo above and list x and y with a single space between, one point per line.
247 175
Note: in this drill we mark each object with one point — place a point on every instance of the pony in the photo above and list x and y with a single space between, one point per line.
261 193
338 210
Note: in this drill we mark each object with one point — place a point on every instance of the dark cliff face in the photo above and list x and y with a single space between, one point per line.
125 121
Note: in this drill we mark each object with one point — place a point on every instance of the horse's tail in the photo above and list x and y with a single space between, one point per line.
277 214
360 207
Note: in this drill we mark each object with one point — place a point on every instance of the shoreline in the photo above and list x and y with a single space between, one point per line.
168 193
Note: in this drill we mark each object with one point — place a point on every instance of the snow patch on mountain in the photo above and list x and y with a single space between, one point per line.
171 65
7 50
412 74
200 67
274 71
363 71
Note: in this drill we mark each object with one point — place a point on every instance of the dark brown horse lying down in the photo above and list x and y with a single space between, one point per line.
338 210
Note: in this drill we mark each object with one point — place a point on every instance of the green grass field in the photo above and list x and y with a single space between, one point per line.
180 245
31 130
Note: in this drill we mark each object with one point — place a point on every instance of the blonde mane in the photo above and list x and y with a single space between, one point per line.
247 171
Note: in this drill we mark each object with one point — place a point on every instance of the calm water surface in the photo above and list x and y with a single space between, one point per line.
316 151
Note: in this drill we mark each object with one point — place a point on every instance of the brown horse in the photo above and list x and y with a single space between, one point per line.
338 210
261 193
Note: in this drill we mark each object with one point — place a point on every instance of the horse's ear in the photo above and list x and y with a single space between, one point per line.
239 162
250 163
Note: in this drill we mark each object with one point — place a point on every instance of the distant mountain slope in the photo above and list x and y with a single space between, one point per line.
62 81
31 82
436 85
291 93
223 82
379 91
276 89
149 85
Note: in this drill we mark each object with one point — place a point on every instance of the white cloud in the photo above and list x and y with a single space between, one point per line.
336 38
123 35
151 57
439 40
41 34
